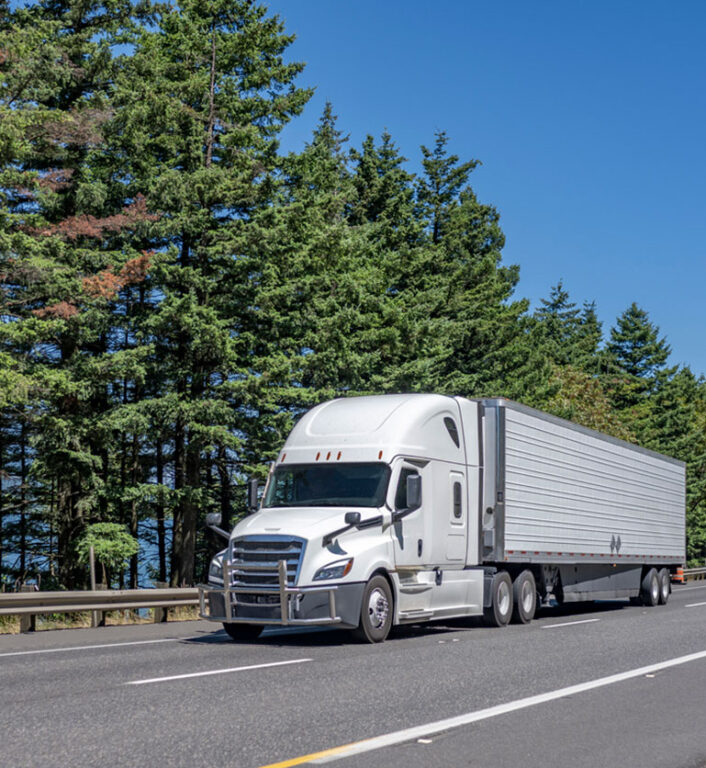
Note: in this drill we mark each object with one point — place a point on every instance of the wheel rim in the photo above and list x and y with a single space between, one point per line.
378 608
664 586
527 597
655 589
504 599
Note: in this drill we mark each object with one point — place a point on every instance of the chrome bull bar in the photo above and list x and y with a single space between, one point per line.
288 599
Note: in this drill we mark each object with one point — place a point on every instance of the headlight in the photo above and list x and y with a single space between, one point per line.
336 570
215 570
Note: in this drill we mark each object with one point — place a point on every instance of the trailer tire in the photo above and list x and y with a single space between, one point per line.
500 610
524 592
243 633
665 586
649 591
375 611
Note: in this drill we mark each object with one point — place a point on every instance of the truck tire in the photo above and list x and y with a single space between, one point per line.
243 633
500 610
524 592
665 586
649 591
375 611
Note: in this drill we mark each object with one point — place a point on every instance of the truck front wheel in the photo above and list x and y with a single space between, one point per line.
524 590
243 633
375 611
500 610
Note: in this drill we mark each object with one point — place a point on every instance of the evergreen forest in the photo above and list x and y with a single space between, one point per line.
176 291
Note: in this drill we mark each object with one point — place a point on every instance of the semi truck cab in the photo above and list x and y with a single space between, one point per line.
364 522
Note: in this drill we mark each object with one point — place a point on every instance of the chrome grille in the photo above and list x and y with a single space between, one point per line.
265 552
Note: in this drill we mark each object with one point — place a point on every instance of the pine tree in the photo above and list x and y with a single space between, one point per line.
460 331
635 364
558 321
307 317
198 112
567 335
588 339
438 189
384 194
56 235
635 345
676 426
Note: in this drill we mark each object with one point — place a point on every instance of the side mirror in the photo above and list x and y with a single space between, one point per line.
352 518
414 491
252 495
213 519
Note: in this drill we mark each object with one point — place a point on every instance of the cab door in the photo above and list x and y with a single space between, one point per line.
409 536
457 518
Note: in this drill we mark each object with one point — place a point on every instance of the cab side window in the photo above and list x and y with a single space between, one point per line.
401 493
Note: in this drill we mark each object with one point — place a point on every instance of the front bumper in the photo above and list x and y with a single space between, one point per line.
285 606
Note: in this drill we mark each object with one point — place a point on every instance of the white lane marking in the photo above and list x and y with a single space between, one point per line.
687 589
216 672
89 647
694 605
569 623
422 731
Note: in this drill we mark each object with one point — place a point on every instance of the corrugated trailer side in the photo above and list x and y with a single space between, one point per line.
555 492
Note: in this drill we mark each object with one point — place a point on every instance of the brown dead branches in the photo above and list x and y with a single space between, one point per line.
86 225
106 284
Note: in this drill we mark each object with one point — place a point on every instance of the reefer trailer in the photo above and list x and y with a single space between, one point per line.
398 509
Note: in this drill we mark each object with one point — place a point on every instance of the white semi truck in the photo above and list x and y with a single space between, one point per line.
398 509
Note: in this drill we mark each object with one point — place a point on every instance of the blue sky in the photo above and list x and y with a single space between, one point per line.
588 118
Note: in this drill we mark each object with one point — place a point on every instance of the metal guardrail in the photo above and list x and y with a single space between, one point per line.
27 605
694 574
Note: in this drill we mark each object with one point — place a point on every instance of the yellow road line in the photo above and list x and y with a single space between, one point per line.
313 756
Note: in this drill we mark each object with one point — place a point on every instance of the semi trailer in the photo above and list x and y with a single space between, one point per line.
399 509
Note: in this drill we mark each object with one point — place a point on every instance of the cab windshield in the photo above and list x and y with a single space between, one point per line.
328 485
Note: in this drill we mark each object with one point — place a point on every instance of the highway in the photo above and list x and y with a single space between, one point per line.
601 684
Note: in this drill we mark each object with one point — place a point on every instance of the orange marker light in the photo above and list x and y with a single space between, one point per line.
317 455
380 455
328 455
339 456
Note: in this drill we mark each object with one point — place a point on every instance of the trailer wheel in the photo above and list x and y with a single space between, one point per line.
243 633
649 591
665 586
524 592
500 610
375 611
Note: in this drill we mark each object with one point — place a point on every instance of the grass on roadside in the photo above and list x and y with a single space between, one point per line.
82 619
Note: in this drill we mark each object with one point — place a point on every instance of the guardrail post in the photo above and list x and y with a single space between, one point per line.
92 568
100 615
28 622
161 614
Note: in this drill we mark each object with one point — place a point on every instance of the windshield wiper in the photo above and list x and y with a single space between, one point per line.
352 520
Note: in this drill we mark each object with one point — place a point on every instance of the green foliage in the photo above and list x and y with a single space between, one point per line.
635 346
579 397
112 545
567 335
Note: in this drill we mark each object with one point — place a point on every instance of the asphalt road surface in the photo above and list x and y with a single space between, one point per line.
605 684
